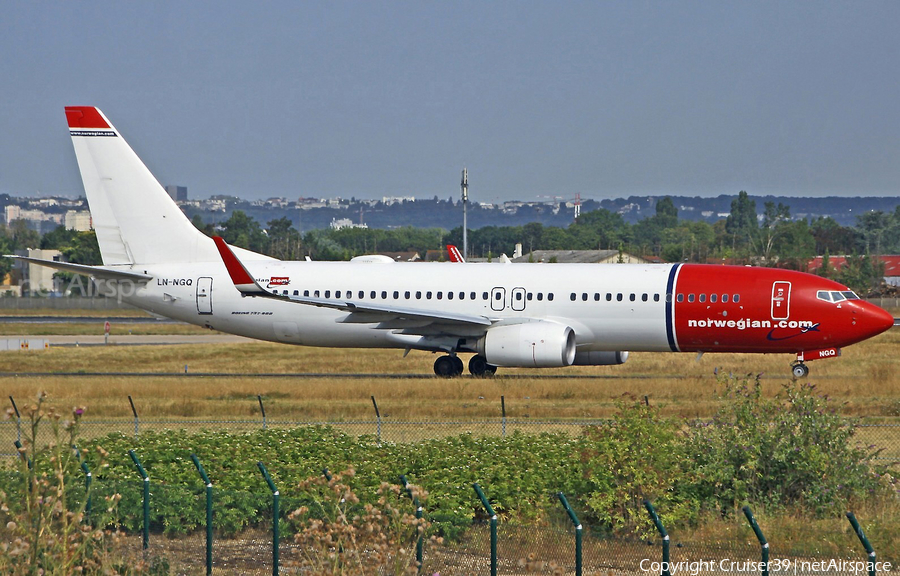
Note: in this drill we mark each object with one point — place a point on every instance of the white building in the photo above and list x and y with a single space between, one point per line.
78 220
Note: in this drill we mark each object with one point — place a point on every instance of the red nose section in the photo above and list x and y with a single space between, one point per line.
875 320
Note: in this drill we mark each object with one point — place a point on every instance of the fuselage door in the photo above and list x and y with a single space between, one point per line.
517 299
204 295
781 300
498 299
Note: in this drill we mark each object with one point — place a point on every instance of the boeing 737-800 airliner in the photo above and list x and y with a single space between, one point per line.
528 315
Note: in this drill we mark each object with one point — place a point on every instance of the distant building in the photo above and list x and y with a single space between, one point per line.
177 193
581 257
35 278
836 264
79 220
337 224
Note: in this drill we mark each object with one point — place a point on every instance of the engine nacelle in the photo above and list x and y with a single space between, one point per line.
532 345
604 358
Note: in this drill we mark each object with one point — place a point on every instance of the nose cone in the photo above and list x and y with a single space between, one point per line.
874 320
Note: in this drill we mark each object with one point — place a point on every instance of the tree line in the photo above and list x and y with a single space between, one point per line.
767 238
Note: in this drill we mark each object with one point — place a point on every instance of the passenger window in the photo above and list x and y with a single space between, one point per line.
498 296
484 295
712 298
428 295
361 294
550 296
328 293
609 297
384 294
703 298
736 299
449 295
440 295
644 297
584 296
337 294
619 297
724 298
632 297
306 293
396 295
596 296
572 297
690 297
419 295
372 294
296 292
518 296
406 294
656 297
471 295
462 295
668 297
285 292
540 296
680 298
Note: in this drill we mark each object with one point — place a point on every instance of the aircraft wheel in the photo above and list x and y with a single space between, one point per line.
458 365
800 370
478 366
445 366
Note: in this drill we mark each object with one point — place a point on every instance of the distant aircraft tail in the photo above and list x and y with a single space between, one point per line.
455 254
135 220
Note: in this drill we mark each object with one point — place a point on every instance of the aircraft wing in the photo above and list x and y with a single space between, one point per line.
410 320
103 272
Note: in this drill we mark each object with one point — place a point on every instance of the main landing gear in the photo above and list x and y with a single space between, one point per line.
799 370
451 365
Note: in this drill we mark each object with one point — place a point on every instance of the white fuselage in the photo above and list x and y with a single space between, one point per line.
637 321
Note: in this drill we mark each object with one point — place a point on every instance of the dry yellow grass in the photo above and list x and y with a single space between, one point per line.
864 382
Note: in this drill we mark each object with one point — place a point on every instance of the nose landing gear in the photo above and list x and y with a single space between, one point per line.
799 370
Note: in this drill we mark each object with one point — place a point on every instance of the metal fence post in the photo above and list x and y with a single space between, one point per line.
665 537
420 512
18 420
209 513
263 410
489 510
762 539
377 418
22 453
503 412
578 531
87 491
134 411
276 499
146 499
865 542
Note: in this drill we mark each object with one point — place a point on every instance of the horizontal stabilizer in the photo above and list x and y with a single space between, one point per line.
104 272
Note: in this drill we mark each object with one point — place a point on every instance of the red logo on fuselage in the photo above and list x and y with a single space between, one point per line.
278 281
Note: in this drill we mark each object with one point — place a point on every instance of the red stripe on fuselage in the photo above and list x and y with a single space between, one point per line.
761 321
85 117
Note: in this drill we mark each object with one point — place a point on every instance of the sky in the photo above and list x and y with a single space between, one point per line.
538 100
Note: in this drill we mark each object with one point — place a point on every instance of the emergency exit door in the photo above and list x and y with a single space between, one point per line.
781 300
204 295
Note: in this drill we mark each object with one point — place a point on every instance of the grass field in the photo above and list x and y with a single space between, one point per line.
863 382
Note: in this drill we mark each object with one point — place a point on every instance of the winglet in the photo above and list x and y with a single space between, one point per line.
242 279
455 254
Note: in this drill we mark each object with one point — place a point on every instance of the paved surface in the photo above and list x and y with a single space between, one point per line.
138 339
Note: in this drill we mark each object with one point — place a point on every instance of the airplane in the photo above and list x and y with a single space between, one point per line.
504 315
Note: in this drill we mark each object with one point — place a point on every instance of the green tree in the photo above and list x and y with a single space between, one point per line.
242 230
284 240
741 224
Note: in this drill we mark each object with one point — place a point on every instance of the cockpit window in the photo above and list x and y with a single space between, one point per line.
824 295
849 295
837 296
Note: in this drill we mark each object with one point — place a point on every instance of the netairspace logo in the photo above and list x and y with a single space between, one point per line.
786 566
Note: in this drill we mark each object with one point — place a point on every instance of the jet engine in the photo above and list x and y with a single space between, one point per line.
604 358
539 344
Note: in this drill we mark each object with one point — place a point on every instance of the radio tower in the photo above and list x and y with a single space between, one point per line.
464 184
